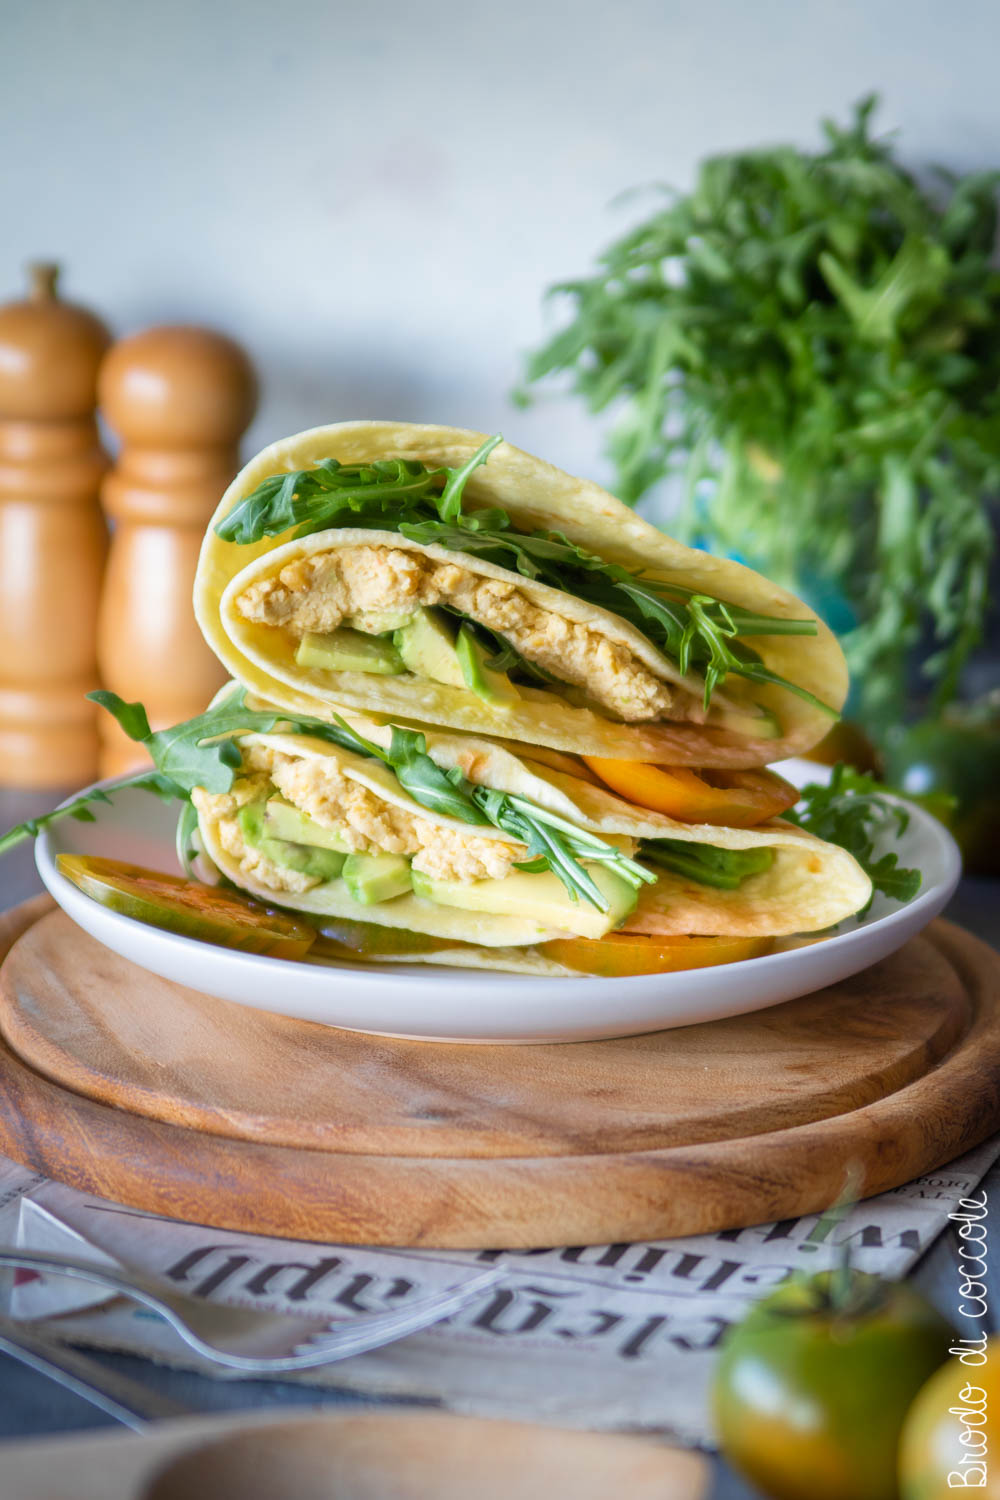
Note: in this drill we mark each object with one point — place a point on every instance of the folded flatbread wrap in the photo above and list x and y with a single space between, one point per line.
388 828
566 621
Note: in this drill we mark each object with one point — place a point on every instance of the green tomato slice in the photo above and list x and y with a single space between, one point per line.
204 912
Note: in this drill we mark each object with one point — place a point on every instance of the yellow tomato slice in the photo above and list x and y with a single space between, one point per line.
185 906
735 799
620 954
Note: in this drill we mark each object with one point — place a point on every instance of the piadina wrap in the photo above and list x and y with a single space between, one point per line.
297 799
574 657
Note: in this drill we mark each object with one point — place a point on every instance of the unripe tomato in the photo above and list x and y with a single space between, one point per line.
811 1389
957 758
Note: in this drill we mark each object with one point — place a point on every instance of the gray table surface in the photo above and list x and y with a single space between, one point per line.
31 1405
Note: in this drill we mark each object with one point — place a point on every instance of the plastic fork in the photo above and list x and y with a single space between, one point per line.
261 1343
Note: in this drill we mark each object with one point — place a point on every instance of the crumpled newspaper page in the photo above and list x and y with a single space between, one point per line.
601 1336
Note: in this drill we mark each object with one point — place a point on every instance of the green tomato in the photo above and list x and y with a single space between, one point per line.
957 758
811 1389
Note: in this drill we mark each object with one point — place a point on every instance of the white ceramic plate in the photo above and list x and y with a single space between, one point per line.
469 1005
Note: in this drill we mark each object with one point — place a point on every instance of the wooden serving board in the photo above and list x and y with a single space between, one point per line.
130 1087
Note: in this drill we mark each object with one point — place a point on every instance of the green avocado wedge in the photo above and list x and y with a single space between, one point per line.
347 650
427 648
307 859
493 687
541 896
372 878
282 820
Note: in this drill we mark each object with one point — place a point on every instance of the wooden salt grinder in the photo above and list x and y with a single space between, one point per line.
179 398
52 536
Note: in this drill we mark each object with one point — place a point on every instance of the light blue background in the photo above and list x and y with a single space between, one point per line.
373 196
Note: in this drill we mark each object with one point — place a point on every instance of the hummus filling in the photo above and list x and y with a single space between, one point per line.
317 593
364 821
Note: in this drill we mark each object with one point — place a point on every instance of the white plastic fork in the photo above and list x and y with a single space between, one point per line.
261 1343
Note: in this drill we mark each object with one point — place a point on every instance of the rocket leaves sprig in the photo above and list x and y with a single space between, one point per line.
199 752
853 810
377 495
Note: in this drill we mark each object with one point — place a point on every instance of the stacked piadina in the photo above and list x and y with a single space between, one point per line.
494 718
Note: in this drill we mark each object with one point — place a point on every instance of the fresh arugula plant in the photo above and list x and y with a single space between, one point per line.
701 634
202 753
853 811
809 343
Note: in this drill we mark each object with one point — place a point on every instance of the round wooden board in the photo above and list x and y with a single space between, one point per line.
148 1094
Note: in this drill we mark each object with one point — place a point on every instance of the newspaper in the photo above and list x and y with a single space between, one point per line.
602 1336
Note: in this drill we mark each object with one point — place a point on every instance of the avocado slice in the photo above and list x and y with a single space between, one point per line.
283 820
376 877
307 859
347 650
380 621
492 686
757 724
427 648
543 897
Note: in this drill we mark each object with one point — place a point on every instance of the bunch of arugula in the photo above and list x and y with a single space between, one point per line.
202 752
701 634
810 343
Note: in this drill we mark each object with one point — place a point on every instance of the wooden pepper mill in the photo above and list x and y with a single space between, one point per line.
179 398
52 536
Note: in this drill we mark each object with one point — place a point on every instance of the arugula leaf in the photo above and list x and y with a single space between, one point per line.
559 846
187 828
79 809
131 717
449 504
854 811
700 632
428 783
724 868
329 494
198 752
376 495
